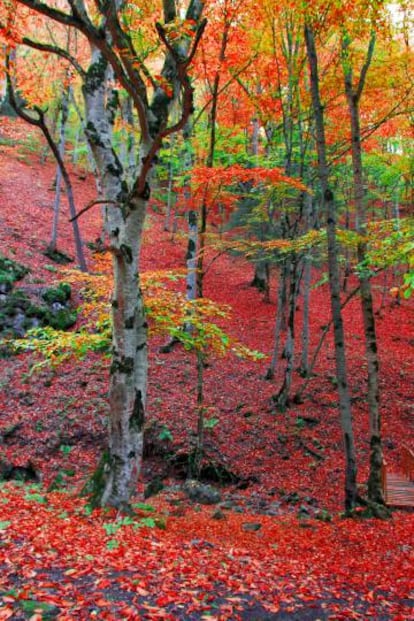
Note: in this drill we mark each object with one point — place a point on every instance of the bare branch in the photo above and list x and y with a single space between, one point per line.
54 49
90 205
55 14
187 104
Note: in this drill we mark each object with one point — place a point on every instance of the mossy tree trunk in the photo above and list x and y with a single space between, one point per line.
124 221
113 53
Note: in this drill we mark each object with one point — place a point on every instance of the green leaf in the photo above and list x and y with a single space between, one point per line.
31 606
165 434
63 515
36 498
112 544
210 423
5 524
148 522
111 528
142 506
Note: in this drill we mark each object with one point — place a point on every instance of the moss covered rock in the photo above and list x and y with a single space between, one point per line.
61 319
60 294
22 309
11 271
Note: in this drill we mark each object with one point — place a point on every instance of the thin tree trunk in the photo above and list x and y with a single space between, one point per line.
210 160
61 147
325 332
261 278
307 279
353 95
40 122
280 314
194 469
91 159
191 256
170 194
351 492
282 397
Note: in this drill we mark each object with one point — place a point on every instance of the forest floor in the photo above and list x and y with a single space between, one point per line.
277 546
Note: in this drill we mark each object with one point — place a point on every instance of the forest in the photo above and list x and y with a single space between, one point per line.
206 310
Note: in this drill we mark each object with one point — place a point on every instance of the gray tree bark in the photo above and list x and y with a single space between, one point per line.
353 96
351 493
111 51
61 147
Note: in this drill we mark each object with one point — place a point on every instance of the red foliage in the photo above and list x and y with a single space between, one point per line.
54 553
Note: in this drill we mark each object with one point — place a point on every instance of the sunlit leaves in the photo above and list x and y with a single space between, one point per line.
192 322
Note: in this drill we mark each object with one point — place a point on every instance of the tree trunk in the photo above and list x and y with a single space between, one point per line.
64 107
112 48
128 384
210 159
279 321
91 159
194 467
41 123
261 278
124 221
351 492
192 218
282 397
307 279
353 95
170 194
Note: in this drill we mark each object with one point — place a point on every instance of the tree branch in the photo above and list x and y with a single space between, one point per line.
92 204
54 49
55 14
187 104
367 63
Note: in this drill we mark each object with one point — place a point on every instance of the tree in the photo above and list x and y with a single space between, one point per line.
117 57
339 337
353 95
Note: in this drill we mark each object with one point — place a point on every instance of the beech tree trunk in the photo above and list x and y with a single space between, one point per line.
283 396
351 493
64 107
41 123
124 220
280 317
353 95
261 278
307 279
170 194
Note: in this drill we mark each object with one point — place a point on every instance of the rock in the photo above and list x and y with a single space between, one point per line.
202 493
228 504
154 487
251 526
20 309
9 472
18 323
303 512
61 294
218 514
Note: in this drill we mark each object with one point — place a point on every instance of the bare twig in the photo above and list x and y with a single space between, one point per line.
90 205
